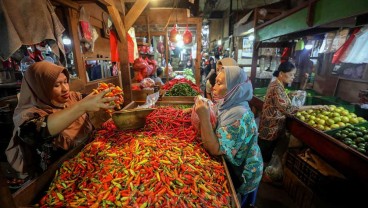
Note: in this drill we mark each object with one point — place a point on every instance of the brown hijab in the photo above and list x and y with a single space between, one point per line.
35 98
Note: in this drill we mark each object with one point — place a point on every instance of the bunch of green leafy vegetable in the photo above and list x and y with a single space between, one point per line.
188 74
182 89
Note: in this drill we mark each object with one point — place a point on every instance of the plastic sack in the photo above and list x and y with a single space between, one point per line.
298 98
274 169
147 83
150 100
195 118
85 26
341 51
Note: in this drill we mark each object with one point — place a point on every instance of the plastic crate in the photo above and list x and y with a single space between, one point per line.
297 190
312 177
305 172
361 112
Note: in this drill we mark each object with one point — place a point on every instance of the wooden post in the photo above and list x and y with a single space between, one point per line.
148 31
253 71
167 55
6 199
198 54
73 22
123 53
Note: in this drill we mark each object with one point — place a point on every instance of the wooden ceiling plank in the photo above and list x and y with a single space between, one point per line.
107 2
116 19
68 3
119 4
135 12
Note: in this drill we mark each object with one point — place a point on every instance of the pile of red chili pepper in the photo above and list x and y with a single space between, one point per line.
171 121
168 120
122 169
171 83
116 91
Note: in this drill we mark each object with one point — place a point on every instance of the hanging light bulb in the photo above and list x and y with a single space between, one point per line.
178 37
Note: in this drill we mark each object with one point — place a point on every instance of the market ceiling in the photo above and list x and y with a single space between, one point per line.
204 8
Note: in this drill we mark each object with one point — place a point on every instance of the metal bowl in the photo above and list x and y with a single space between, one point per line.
131 119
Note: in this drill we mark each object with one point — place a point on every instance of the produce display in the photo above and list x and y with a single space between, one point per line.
324 120
181 89
185 88
115 92
141 168
355 137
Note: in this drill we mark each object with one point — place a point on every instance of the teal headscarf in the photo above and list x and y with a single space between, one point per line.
235 102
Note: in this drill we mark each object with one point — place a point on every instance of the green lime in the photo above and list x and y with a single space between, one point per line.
352 135
359 134
362 150
359 140
354 146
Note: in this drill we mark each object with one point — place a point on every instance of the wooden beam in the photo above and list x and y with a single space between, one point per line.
198 53
73 21
135 12
119 4
116 19
167 55
107 2
68 3
152 33
310 15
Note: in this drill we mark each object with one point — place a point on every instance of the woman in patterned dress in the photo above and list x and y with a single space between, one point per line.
277 106
236 134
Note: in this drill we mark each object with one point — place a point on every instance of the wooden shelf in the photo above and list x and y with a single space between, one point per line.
143 44
97 59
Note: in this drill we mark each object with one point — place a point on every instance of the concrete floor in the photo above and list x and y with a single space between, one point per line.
273 196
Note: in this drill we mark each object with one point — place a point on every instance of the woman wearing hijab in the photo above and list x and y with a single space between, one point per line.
211 78
49 119
236 133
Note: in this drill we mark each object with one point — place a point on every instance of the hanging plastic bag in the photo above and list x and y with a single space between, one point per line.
195 118
341 51
85 26
274 171
298 98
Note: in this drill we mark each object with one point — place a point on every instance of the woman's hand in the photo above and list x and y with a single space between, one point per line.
202 109
322 107
94 102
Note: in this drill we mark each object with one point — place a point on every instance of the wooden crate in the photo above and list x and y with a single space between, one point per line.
135 104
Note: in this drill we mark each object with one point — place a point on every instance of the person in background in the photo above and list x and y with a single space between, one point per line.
49 119
277 106
158 79
236 133
211 65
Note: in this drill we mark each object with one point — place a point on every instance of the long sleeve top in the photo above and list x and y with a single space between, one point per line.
238 142
277 106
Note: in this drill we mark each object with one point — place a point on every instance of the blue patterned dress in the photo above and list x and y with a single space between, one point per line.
238 142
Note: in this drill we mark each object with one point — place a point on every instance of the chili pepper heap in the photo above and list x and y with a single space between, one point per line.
116 91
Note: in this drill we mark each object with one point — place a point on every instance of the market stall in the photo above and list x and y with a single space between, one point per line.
305 43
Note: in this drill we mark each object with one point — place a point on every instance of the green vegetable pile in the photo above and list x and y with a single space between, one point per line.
182 89
188 74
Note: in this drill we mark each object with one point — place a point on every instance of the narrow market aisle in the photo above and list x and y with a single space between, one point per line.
273 196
